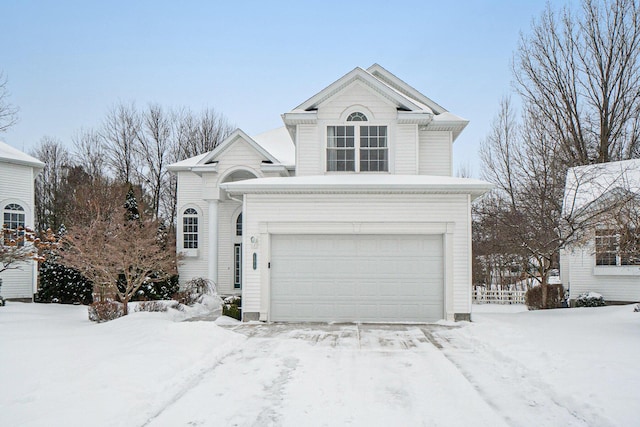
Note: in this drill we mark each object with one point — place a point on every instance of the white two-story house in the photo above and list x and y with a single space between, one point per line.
347 213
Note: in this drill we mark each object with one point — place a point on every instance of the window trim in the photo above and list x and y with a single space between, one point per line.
14 225
193 214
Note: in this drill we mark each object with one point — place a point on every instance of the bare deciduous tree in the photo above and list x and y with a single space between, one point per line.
8 112
528 167
51 200
90 152
155 144
119 255
121 132
581 73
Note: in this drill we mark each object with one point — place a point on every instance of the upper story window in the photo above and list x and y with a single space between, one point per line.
190 228
371 153
13 221
618 246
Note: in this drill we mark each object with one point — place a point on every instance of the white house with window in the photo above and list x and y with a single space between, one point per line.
607 259
17 174
349 212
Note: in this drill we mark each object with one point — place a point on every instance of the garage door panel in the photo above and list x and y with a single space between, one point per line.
356 278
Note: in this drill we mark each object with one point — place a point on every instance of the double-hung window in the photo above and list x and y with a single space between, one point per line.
190 228
361 148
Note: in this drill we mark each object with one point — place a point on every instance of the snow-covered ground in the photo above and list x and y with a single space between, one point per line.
508 367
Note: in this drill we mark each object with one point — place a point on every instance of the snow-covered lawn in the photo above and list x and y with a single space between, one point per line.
508 367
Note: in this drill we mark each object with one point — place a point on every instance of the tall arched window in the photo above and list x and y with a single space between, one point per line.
190 228
13 221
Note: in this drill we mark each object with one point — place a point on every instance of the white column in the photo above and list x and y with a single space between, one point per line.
213 241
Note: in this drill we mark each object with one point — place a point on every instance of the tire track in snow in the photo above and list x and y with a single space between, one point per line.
531 402
195 379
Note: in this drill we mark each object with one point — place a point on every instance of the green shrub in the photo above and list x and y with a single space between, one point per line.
232 307
590 299
555 297
61 284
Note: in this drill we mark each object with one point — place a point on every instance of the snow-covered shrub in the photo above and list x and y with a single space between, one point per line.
590 299
232 307
152 306
193 291
105 311
58 283
555 297
636 308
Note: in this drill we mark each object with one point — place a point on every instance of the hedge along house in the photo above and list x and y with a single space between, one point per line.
17 175
347 213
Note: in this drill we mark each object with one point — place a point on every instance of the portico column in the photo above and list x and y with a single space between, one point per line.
213 241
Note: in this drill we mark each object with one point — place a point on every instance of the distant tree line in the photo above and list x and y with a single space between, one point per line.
577 75
131 146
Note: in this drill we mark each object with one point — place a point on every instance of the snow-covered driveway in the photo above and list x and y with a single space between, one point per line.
316 375
570 367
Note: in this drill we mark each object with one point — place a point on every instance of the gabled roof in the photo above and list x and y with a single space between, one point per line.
358 74
413 106
275 146
586 185
8 154
235 135
389 78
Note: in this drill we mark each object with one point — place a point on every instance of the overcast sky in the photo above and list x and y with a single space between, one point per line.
69 62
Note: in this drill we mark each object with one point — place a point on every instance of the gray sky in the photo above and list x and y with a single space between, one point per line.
69 62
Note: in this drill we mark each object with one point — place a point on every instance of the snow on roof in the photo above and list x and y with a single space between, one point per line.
9 154
587 184
187 163
360 183
279 144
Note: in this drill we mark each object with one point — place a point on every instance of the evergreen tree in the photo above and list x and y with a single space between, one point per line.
131 205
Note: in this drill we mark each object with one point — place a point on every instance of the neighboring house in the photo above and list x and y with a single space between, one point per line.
607 257
17 174
347 213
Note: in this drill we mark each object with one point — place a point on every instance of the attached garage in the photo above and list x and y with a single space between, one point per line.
353 277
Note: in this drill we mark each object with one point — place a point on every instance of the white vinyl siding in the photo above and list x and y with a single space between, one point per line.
377 213
309 147
406 149
579 273
190 195
16 186
435 153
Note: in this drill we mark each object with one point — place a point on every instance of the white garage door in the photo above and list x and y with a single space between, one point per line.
368 278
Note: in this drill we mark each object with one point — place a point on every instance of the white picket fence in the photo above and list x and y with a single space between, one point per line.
495 296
